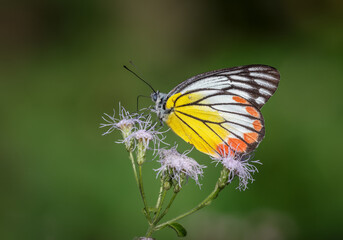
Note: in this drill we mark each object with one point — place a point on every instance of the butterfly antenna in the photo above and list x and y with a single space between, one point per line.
139 78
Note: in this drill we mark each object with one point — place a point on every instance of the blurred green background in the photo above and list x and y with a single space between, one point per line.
61 69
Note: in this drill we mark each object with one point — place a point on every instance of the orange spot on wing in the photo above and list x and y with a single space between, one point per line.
233 145
250 137
224 150
237 145
257 125
252 111
239 99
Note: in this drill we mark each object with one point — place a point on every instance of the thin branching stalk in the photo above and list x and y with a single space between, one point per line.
141 190
167 208
139 181
160 199
134 167
204 203
159 195
220 185
159 208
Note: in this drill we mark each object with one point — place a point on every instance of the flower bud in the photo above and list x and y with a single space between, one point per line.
166 185
223 179
141 150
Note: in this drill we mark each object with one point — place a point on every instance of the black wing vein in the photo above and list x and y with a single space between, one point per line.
195 132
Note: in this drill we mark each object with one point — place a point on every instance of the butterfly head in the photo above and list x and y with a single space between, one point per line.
160 100
154 96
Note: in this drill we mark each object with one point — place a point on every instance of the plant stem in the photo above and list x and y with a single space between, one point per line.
139 181
220 185
204 203
159 208
134 167
160 199
159 195
167 208
141 190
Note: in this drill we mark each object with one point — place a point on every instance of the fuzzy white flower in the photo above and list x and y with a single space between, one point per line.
145 133
179 166
125 123
238 165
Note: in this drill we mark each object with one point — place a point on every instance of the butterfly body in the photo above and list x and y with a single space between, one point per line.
160 100
218 110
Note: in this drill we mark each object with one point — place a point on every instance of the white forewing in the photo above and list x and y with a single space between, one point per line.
239 78
255 83
215 82
218 99
260 100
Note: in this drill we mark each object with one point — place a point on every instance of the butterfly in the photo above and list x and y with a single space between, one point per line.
220 110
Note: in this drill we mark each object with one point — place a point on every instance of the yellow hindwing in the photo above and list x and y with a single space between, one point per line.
196 124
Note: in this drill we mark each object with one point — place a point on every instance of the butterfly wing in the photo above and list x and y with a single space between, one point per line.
213 121
255 83
219 110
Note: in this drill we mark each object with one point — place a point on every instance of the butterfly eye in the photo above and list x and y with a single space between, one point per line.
154 97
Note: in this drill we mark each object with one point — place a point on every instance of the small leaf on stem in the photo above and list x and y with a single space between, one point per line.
179 229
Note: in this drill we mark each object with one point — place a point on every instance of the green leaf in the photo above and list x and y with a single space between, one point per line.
179 229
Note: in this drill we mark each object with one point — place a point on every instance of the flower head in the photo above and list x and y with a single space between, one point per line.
179 166
145 133
125 123
238 165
